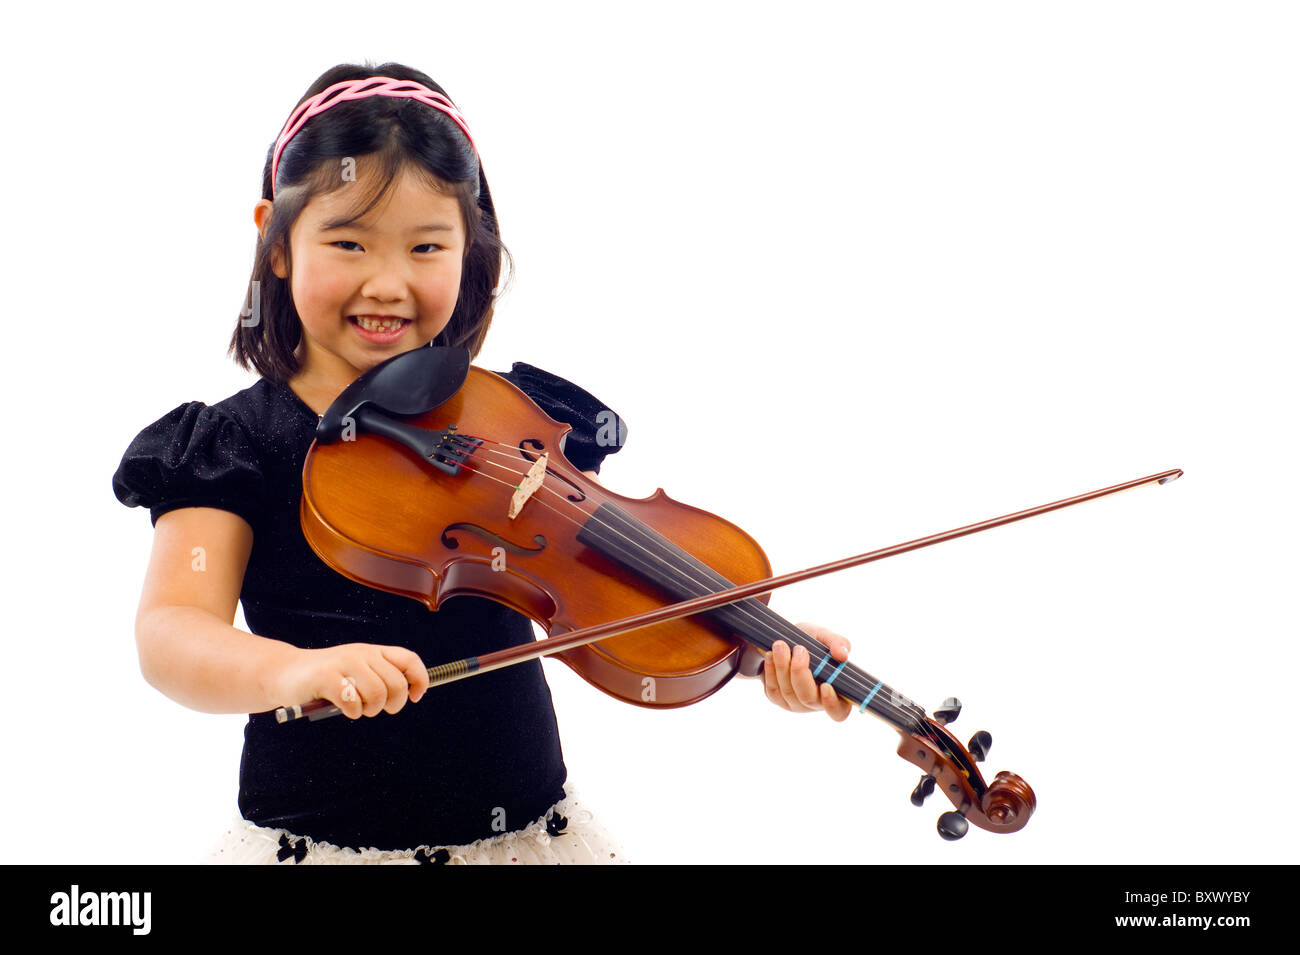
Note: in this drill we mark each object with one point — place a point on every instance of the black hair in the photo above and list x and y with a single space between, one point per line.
392 134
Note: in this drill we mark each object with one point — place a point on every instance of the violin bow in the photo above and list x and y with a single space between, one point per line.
472 666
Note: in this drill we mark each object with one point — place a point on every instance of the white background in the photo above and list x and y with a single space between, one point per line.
852 273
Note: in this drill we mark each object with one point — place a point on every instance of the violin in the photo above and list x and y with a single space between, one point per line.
431 478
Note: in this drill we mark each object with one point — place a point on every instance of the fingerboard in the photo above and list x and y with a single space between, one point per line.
617 535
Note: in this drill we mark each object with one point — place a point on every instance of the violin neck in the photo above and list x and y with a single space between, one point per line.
622 538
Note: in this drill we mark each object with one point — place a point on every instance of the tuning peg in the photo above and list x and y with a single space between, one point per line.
949 712
980 744
923 789
952 826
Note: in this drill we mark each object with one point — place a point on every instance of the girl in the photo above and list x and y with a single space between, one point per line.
377 236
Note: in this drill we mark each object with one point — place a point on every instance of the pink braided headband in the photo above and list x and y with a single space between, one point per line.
360 89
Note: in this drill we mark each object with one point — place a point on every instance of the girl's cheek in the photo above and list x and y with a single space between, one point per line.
445 287
319 289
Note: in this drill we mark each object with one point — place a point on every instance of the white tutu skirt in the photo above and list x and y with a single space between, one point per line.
567 835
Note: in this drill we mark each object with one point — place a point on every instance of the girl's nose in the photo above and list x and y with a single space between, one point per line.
387 282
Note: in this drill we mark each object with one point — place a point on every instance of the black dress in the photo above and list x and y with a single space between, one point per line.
443 772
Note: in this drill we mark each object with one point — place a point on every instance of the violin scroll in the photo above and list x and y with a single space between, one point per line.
1004 805
1008 799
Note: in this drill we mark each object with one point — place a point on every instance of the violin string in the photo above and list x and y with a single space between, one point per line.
913 715
847 678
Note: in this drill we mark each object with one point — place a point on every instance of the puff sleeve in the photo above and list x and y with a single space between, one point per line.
194 456
597 430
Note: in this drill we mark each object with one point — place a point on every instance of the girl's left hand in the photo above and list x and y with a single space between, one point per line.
788 679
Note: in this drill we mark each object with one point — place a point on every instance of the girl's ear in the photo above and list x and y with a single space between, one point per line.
261 218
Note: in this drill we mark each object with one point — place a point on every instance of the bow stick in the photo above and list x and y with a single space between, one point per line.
471 666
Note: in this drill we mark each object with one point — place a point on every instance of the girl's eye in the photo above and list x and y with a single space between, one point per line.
423 247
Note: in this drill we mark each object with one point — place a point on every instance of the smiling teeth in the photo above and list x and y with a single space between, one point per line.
378 324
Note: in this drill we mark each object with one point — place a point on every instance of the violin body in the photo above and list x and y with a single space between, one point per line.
377 513
432 479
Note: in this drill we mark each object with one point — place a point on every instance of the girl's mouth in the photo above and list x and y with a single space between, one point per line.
379 329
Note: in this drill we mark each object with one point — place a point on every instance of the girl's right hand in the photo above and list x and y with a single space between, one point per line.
361 679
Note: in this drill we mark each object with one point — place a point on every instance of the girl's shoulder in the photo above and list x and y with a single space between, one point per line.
597 429
200 455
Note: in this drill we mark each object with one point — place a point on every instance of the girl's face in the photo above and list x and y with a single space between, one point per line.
384 285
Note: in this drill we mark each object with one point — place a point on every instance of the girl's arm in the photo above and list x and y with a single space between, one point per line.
191 652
